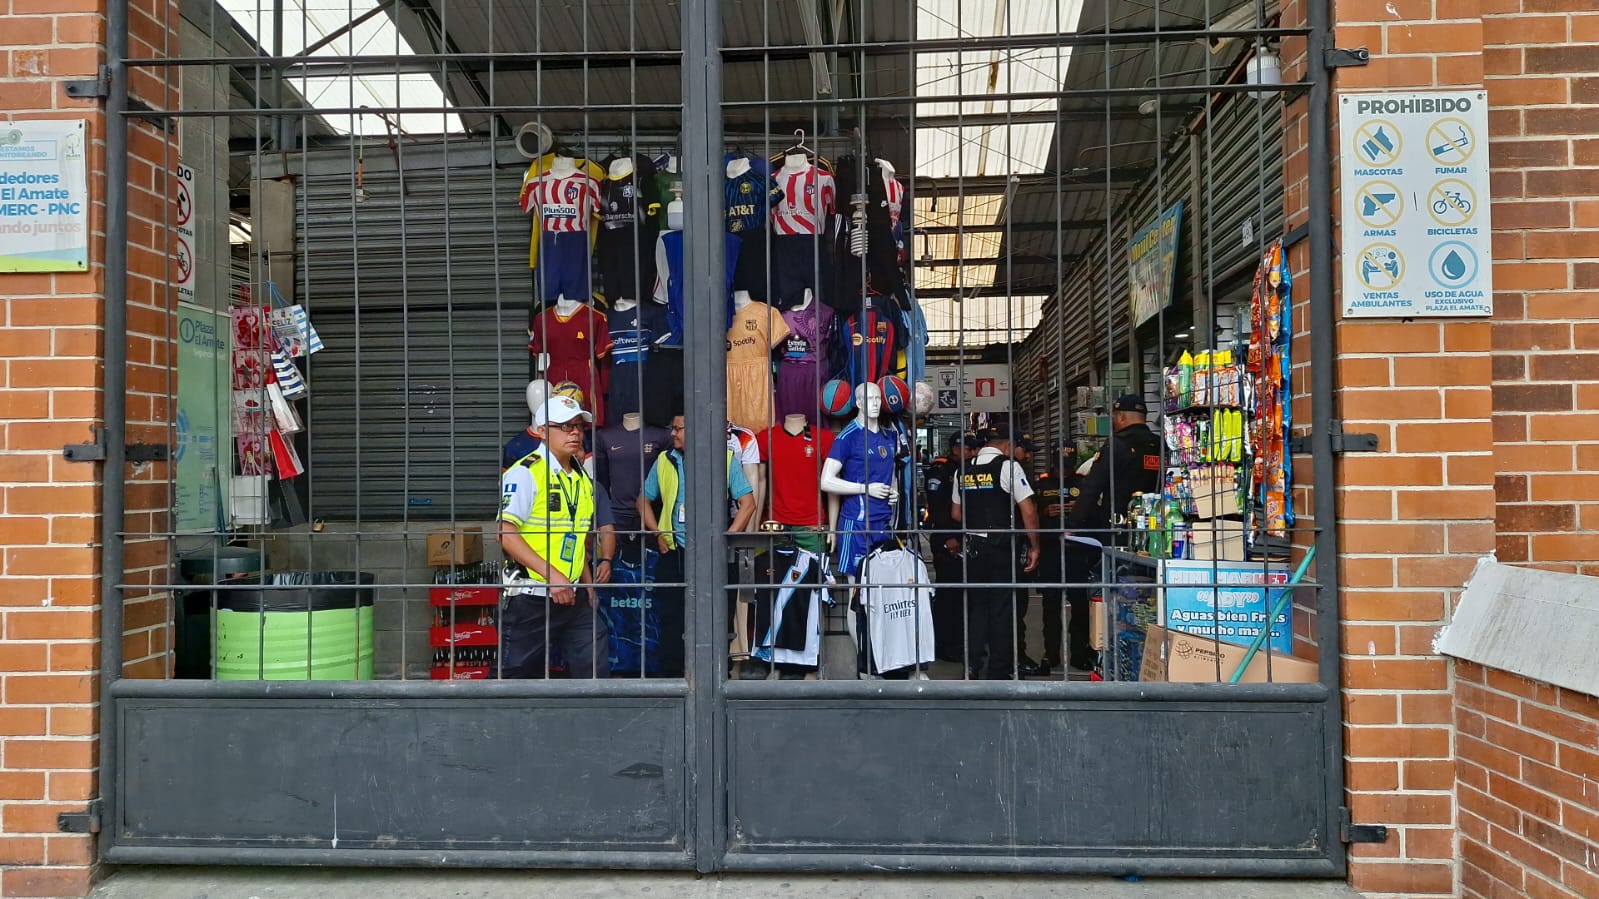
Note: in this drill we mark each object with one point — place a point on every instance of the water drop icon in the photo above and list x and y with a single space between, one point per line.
1453 267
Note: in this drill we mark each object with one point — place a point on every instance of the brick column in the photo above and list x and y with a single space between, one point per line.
51 395
50 523
1415 516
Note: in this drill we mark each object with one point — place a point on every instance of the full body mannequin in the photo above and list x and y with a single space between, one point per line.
869 406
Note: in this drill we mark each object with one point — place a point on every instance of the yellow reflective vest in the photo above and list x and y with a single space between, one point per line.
558 526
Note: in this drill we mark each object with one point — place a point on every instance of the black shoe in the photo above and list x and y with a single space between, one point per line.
1087 660
1028 668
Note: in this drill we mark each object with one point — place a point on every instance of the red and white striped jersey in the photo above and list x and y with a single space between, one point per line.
894 190
807 201
566 204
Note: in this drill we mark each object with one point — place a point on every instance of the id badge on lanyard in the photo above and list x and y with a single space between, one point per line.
569 548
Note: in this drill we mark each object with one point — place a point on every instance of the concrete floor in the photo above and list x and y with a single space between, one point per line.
338 883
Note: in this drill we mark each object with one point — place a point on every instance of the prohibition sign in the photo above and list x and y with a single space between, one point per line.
1451 141
1380 266
1379 204
1451 202
1378 142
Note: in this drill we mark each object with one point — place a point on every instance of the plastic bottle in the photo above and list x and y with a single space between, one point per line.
1185 380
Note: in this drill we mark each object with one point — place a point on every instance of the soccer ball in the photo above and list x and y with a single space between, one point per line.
896 394
924 399
837 398
568 388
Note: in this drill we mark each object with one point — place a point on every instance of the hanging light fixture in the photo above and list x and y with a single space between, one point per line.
1265 69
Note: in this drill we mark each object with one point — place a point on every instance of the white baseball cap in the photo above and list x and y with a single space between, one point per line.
558 410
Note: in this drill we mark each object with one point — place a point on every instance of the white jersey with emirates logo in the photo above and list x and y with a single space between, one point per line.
806 203
897 596
563 205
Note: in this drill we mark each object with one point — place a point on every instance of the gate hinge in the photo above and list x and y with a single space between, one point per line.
86 821
1349 832
1341 58
1341 442
133 452
91 88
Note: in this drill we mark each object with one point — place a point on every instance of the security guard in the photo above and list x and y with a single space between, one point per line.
1130 463
944 534
546 512
995 503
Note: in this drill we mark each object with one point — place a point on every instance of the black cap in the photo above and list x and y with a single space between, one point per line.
968 440
1130 402
1026 442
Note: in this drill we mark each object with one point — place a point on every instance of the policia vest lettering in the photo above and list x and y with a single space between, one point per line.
985 506
557 528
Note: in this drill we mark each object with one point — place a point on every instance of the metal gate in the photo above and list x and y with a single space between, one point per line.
717 769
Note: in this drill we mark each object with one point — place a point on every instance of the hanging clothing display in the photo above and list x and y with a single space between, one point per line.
868 247
796 464
801 258
871 340
565 204
896 601
755 329
789 623
632 333
799 374
578 346
625 243
670 277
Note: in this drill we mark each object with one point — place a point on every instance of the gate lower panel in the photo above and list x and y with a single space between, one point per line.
1197 788
347 780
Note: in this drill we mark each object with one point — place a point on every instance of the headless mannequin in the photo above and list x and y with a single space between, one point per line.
738 167
562 166
632 421
622 304
621 168
565 309
741 298
805 303
538 390
794 425
674 207
796 162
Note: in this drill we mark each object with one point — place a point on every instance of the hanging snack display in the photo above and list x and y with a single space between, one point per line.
1269 365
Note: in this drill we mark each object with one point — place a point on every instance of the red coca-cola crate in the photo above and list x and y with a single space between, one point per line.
464 595
461 672
464 634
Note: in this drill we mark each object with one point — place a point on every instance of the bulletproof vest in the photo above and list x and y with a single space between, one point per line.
985 506
940 487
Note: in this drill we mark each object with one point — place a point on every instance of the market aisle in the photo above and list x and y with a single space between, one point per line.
301 883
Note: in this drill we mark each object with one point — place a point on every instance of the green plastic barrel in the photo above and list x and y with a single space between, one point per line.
320 628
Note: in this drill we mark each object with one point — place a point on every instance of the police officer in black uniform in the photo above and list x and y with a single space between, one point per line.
1130 463
1054 491
995 505
944 534
1022 450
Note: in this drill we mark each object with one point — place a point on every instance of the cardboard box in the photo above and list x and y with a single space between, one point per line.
1216 505
1219 541
1096 624
1182 658
455 546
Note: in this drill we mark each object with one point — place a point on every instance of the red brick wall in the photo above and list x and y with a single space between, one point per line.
1528 786
1542 62
1415 516
51 383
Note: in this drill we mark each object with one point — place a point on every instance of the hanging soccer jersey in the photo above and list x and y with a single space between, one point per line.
755 329
577 346
750 198
872 339
799 375
625 244
670 276
805 200
896 599
795 461
788 621
632 332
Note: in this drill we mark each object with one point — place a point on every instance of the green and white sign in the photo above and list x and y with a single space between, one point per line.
202 453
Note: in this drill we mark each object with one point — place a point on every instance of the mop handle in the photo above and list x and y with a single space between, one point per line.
1285 592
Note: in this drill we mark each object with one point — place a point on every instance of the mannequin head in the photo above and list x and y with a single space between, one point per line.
538 390
869 400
